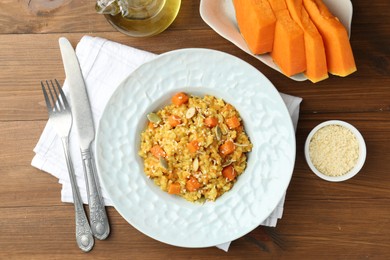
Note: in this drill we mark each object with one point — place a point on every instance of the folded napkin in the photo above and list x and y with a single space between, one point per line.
104 65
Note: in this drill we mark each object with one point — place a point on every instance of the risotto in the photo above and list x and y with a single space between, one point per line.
195 147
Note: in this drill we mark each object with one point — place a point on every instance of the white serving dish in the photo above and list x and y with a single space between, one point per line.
221 17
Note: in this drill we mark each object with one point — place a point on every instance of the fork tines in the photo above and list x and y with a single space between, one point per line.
51 98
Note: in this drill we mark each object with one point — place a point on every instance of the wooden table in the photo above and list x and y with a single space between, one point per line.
348 220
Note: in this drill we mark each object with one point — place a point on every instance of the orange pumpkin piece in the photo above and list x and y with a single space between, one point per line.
179 98
289 47
233 122
157 151
174 188
227 107
151 125
256 21
211 121
174 120
192 184
193 146
338 49
316 67
240 129
229 172
227 148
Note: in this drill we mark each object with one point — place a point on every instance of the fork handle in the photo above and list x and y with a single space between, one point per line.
97 212
84 236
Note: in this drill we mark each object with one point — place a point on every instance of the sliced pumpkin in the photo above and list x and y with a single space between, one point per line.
339 56
316 66
256 21
289 46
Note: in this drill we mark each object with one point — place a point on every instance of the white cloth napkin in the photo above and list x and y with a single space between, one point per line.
104 65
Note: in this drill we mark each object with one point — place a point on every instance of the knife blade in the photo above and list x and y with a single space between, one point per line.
82 116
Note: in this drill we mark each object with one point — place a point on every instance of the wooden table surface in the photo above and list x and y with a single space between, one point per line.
348 220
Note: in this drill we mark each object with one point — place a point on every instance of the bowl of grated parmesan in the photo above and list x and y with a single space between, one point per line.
335 150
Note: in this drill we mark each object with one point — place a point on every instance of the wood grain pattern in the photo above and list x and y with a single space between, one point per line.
321 220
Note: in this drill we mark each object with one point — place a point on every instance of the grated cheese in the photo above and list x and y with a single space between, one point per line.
334 150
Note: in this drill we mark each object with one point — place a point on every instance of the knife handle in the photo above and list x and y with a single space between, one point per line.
97 212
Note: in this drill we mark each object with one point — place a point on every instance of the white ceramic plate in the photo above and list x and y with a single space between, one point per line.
221 17
169 218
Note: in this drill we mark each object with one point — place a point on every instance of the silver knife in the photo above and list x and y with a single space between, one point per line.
82 115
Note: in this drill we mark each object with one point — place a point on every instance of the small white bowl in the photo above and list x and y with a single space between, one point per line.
362 152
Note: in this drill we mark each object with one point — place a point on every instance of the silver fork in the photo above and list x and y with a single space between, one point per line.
61 119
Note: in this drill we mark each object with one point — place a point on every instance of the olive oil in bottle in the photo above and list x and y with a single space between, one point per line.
139 18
